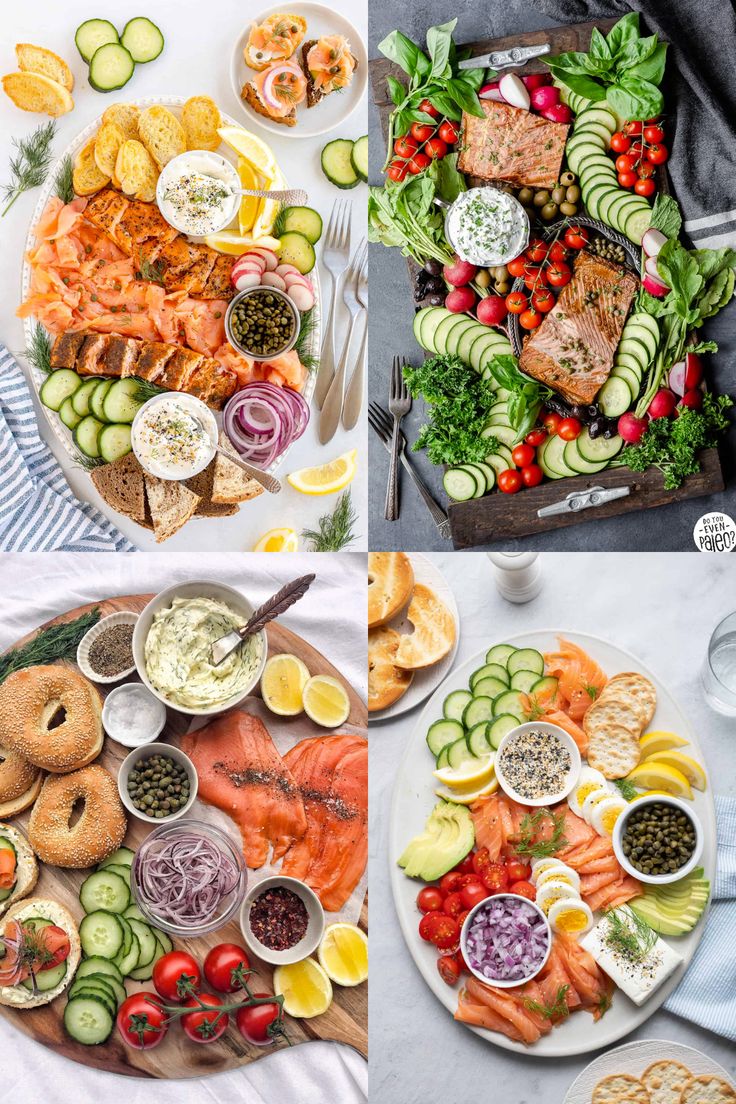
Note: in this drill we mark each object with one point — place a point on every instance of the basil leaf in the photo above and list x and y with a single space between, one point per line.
405 53
447 106
633 98
584 86
653 68
438 45
476 77
626 30
464 96
396 90
599 48
568 63
634 53
448 182
596 66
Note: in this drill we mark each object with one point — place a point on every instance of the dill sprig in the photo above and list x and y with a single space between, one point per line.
147 390
307 328
152 273
64 182
527 843
627 789
29 165
38 350
279 223
336 529
629 935
88 463
552 1011
56 642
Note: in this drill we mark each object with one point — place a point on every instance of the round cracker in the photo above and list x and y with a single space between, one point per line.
386 682
665 1080
707 1090
639 690
610 710
620 1088
613 750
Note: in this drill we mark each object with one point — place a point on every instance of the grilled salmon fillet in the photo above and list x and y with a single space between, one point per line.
512 145
574 348
91 357
65 350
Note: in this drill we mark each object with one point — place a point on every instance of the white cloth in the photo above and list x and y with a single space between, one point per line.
331 617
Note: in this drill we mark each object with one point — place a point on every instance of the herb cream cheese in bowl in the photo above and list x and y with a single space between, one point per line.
486 226
197 193
174 436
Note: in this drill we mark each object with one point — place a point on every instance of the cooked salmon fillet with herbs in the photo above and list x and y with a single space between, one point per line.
512 146
574 348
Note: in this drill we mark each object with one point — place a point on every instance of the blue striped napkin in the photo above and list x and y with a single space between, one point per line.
38 511
705 995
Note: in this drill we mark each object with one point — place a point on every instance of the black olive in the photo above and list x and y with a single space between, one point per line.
578 411
608 433
593 410
594 429
437 300
434 268
419 294
435 283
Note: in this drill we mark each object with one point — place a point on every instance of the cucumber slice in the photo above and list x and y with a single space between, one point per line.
500 727
296 249
524 680
89 987
46 980
600 448
110 68
88 1020
104 890
500 654
147 941
359 157
489 687
164 940
58 387
550 458
442 733
614 398
102 983
92 34
444 342
546 685
479 709
459 753
454 704
489 670
461 485
122 872
573 458
101 933
442 757
121 403
337 163
478 740
526 659
478 475
114 442
97 397
542 460
128 962
429 319
304 220
122 857
86 436
142 39
513 702
134 913
81 397
68 414
96 965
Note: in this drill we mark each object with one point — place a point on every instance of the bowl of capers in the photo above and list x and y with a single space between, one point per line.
262 323
157 782
658 839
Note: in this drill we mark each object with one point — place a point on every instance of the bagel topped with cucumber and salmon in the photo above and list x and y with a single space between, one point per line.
39 952
18 867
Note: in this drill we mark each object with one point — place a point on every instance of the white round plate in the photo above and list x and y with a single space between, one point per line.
173 102
424 681
335 108
633 1058
414 798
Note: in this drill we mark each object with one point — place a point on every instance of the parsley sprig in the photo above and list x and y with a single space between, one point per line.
672 445
459 406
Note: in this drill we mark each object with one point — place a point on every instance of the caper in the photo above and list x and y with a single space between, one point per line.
567 178
558 194
549 211
483 278
525 196
541 197
568 209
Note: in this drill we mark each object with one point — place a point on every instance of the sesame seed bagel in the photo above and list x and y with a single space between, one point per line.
17 776
100 829
52 716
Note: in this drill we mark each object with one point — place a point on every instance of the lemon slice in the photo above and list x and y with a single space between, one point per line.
470 776
326 701
282 682
227 241
681 762
305 987
278 540
660 741
343 954
327 478
251 147
249 205
468 796
660 776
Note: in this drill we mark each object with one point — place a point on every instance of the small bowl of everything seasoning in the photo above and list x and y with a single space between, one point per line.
105 653
174 436
157 783
537 763
282 920
132 715
262 323
658 839
505 940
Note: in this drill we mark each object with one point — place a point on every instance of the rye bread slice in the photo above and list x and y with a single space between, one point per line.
120 484
251 97
316 95
202 485
172 505
231 484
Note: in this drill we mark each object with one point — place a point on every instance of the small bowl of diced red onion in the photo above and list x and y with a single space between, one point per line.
505 940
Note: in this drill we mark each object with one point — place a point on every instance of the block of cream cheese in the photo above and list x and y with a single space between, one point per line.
638 965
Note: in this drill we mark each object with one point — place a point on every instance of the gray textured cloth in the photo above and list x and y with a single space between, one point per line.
700 98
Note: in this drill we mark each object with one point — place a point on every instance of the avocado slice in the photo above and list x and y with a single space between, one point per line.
676 908
447 838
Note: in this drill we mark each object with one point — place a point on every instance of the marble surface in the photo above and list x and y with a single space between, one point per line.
669 528
671 605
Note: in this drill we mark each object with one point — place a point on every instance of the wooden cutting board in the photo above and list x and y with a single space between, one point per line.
346 1021
498 517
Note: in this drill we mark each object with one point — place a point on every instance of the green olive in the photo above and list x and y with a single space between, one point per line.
541 197
549 212
503 287
558 195
568 209
525 196
567 178
483 278
501 272
572 195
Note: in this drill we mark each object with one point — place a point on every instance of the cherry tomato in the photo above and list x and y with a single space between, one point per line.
536 437
462 917
226 967
523 455
536 250
421 132
426 926
625 163
453 905
516 302
436 148
530 319
397 171
449 968
653 134
204 1026
141 1024
633 127
449 132
405 146
462 964
551 422
259 1024
543 300
429 109
651 122
517 267
481 860
627 180
418 163
445 931
471 878
535 277
569 429
176 976
620 142
645 187
636 152
473 894
657 154
466 866
576 237
557 251
496 879
517 870
559 274
532 475
524 889
509 482
429 899
646 170
449 883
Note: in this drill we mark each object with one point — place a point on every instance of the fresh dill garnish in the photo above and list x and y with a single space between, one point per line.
56 642
527 843
64 182
627 789
38 350
147 390
552 1011
604 1004
150 272
336 529
629 935
88 463
592 692
307 328
29 165
279 226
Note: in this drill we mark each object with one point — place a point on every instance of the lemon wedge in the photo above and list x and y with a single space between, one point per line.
278 540
327 478
268 209
470 775
249 205
326 701
251 147
660 776
305 987
469 795
227 241
343 954
681 762
282 682
660 741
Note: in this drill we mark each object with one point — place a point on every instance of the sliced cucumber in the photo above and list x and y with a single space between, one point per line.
103 983
92 34
121 403
122 857
142 39
442 733
114 442
489 687
524 680
58 387
104 890
134 913
489 670
454 704
101 933
500 653
600 448
479 709
68 414
458 754
88 1020
305 220
545 685
86 436
513 702
359 157
128 961
147 941
478 740
526 659
97 397
110 68
460 485
573 458
614 398
90 987
124 873
442 757
46 980
337 163
478 475
97 965
499 727
81 397
296 249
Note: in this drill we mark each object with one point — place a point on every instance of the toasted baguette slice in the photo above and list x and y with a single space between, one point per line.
15 996
136 170
121 486
108 140
37 59
162 134
201 119
250 96
34 92
172 505
125 116
26 870
231 484
87 178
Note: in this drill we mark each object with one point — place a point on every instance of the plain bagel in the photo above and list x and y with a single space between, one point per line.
52 716
20 783
100 829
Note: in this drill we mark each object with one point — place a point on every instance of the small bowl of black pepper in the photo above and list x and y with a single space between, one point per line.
262 323
282 920
658 839
105 652
157 783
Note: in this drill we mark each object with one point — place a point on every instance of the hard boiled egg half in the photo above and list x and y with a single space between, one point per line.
588 781
605 813
570 917
559 872
552 893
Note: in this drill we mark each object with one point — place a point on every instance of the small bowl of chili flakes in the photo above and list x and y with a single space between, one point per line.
282 920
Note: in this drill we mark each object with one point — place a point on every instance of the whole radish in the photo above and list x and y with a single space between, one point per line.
537 80
459 272
492 310
460 300
557 113
692 399
663 404
545 96
631 429
693 371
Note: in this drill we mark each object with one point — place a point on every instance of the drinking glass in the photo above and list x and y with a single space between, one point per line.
719 670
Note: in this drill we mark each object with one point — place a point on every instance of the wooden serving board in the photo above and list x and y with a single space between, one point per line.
346 1021
496 516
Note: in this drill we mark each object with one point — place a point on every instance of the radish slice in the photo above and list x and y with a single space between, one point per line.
652 242
650 267
513 91
250 259
285 269
655 287
491 92
269 257
677 378
303 297
296 278
270 279
247 280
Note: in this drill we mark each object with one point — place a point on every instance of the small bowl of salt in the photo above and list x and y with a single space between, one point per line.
132 715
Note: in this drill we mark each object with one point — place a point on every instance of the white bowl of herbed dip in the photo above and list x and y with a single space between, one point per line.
174 435
486 226
197 193
172 643
537 763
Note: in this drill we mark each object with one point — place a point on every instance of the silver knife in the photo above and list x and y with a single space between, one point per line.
583 500
506 59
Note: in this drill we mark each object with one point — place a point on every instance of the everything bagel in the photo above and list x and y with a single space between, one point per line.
52 716
20 782
100 829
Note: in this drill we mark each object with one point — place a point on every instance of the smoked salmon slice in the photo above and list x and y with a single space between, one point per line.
579 678
241 772
7 868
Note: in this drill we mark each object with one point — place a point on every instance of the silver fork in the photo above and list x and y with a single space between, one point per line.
380 422
332 406
399 404
354 393
335 256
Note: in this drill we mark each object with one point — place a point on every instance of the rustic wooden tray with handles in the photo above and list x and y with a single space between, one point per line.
496 516
346 1021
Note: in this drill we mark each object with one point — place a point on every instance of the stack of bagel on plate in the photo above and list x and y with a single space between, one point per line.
393 655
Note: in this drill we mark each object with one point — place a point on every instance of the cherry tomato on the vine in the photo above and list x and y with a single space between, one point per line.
551 422
517 267
429 109
421 132
559 274
176 976
627 180
653 134
532 475
509 482
569 429
543 300
620 142
535 277
530 319
536 437
625 163
397 171
523 455
657 154
436 149
226 967
516 302
645 170
537 250
419 163
633 127
449 132
255 1021
141 1023
405 146
645 187
557 251
576 237
204 1025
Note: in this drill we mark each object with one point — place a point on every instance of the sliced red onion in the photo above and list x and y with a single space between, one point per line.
262 420
184 880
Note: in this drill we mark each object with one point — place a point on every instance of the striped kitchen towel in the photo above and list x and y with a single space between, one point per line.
705 995
38 511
